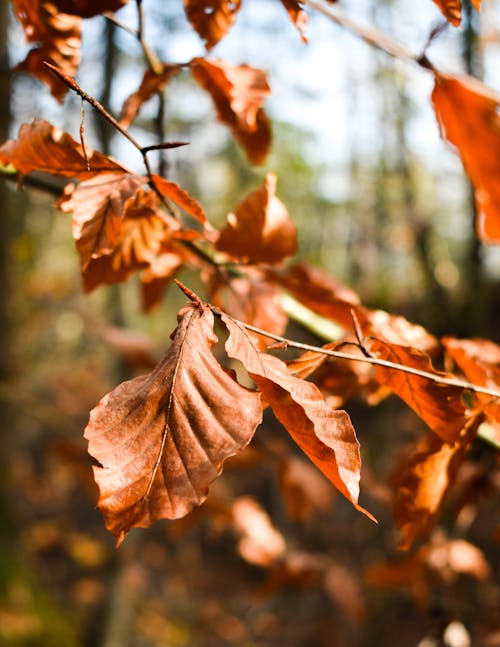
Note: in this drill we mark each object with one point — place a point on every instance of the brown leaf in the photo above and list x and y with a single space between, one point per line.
59 38
438 405
467 113
297 15
261 543
212 19
98 207
161 438
151 84
425 480
238 93
326 436
452 9
174 192
479 360
134 347
395 329
43 147
88 8
304 490
156 277
260 230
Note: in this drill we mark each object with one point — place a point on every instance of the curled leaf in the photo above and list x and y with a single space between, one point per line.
260 230
212 19
161 438
238 93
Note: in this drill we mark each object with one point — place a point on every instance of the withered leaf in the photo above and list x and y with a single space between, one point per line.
58 36
424 481
238 93
467 113
297 15
325 435
88 8
161 438
98 206
452 9
211 19
152 82
260 542
181 197
156 277
41 146
260 230
438 405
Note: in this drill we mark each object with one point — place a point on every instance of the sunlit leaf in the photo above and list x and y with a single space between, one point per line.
452 9
297 15
181 197
260 230
212 19
161 438
238 93
260 542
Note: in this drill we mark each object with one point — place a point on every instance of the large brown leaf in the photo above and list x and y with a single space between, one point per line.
238 93
438 405
212 19
161 438
58 36
424 481
41 146
260 230
325 435
467 113
98 207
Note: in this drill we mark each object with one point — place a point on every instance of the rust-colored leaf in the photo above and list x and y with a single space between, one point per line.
297 15
424 481
304 490
162 438
238 93
58 36
260 542
467 113
98 206
479 360
438 405
211 19
325 435
41 146
174 192
158 274
88 8
152 82
452 9
395 329
260 230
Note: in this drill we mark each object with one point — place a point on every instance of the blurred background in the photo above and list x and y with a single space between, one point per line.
383 205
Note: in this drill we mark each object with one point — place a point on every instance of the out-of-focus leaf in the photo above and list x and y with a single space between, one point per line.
58 36
438 405
260 230
260 543
424 481
161 438
304 490
297 15
467 113
41 146
238 93
211 19
152 82
88 8
158 274
325 435
452 9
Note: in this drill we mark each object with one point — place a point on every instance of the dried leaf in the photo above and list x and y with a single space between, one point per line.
151 84
156 277
467 113
261 543
98 207
305 492
260 230
212 19
395 329
238 93
174 192
161 438
425 480
297 15
134 347
452 9
43 147
59 38
326 436
88 8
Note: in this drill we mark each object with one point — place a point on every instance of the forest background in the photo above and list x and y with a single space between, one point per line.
382 204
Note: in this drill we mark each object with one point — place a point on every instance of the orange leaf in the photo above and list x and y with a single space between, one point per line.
156 277
98 207
425 480
260 230
43 147
181 197
467 113
325 435
297 15
260 543
162 438
238 93
451 10
438 405
88 8
150 85
212 19
59 38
